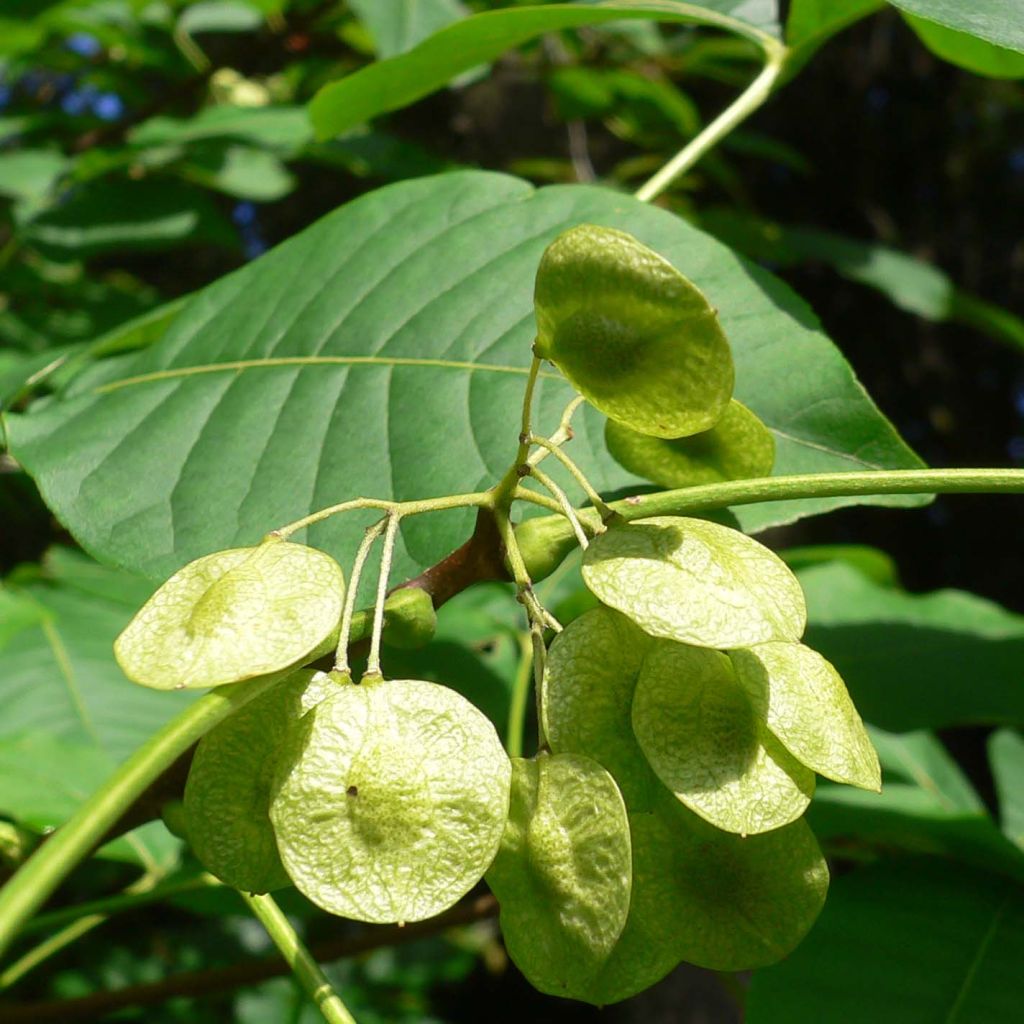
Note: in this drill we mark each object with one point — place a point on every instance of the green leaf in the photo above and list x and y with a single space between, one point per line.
909 283
45 778
282 129
812 23
586 696
482 38
390 801
876 565
999 22
916 661
906 818
713 899
802 698
900 941
61 689
709 744
968 51
17 613
919 757
29 175
633 335
233 615
1006 755
113 216
384 352
240 171
695 582
739 446
563 872
227 796
398 25
219 16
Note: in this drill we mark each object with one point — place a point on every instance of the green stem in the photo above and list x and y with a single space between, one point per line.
742 107
562 434
341 655
403 508
72 842
47 948
545 541
576 473
386 558
110 905
563 500
520 694
306 970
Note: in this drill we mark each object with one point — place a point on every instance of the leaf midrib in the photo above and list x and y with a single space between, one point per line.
272 362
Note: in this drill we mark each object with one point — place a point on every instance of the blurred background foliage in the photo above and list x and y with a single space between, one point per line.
148 148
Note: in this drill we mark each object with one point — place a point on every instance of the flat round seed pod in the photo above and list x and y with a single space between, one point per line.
631 333
562 873
696 582
739 446
722 901
649 945
390 800
806 705
233 615
227 795
587 693
701 735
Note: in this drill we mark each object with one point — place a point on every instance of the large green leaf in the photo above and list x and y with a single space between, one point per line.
69 715
384 351
927 806
916 661
398 25
392 84
968 51
999 22
902 941
59 678
1006 754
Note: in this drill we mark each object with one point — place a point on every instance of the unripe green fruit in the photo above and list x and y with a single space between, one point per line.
233 615
227 794
390 800
631 333
739 446
410 620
